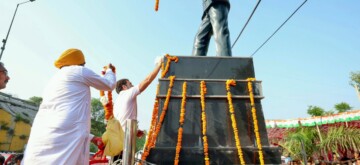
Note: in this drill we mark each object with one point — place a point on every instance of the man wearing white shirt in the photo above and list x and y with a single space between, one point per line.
125 106
61 128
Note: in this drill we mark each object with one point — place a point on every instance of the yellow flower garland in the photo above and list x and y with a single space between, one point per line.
157 5
256 126
165 69
181 123
233 119
203 119
151 142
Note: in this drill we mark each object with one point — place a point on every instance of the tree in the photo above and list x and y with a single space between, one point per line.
342 107
140 142
328 113
98 126
315 111
300 142
355 81
97 110
36 100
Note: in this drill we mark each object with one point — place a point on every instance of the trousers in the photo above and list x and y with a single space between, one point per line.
213 23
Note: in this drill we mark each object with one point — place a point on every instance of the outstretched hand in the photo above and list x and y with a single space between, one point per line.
159 60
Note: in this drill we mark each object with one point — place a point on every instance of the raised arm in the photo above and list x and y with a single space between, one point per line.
146 82
106 82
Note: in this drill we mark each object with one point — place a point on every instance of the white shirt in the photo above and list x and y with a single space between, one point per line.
125 106
60 132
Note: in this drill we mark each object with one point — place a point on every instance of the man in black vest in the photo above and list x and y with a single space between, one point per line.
214 22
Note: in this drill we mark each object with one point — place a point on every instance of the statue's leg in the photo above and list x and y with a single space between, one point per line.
202 38
218 14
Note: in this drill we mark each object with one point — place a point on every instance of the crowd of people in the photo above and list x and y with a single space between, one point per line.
345 158
12 159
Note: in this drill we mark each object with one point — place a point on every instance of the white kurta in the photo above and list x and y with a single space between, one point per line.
61 128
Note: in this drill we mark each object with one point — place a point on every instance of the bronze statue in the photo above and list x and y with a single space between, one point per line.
214 22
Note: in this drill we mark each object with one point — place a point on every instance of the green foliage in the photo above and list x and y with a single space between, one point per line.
98 126
330 112
97 110
293 139
334 139
93 148
355 78
341 138
18 118
315 111
140 142
36 100
342 107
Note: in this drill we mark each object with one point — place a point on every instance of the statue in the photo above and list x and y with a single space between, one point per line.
214 22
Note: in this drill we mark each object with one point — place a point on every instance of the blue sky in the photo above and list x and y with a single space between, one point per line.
308 62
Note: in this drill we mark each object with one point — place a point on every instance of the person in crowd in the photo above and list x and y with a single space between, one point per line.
322 160
356 159
61 128
125 105
18 158
2 159
288 158
4 77
336 159
214 22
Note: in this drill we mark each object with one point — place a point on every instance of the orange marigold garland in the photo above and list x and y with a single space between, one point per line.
256 126
107 101
154 118
203 119
181 123
151 142
233 119
165 69
157 5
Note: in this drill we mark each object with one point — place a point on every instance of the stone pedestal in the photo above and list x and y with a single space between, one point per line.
222 149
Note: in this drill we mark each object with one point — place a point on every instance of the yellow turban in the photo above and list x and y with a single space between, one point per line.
70 57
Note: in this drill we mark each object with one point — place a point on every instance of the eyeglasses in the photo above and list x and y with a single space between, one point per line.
5 72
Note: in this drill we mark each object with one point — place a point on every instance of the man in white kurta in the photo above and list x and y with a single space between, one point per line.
61 128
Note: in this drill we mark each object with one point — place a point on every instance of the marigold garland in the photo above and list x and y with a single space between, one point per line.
151 142
256 126
203 91
181 123
157 5
165 69
108 104
154 118
229 83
